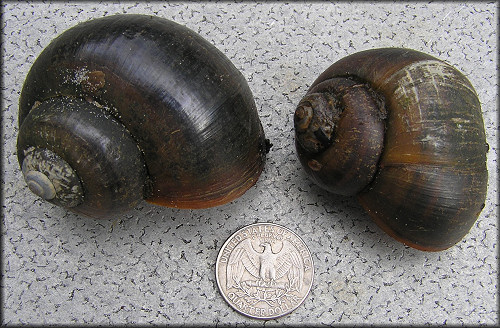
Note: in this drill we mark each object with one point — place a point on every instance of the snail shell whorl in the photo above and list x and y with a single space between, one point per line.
188 109
430 184
90 158
351 120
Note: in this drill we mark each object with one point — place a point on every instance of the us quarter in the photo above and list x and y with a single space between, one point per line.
264 271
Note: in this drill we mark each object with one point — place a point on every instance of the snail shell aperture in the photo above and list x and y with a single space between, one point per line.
404 132
131 107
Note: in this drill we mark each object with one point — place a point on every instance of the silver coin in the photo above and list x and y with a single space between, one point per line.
264 271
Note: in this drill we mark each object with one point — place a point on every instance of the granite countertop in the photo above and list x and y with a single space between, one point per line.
157 265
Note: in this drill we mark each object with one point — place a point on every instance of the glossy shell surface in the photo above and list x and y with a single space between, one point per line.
187 107
431 179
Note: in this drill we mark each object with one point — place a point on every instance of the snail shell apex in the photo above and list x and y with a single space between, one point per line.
197 138
50 177
429 180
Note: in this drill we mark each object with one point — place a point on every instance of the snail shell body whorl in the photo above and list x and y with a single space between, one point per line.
197 138
425 182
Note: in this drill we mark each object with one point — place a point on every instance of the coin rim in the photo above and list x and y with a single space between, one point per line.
217 271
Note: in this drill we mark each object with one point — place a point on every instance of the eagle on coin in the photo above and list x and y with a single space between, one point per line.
266 266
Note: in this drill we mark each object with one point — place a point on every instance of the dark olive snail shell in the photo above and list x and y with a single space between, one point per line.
404 132
131 107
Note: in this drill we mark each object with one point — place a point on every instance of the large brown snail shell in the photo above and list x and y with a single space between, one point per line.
404 132
131 107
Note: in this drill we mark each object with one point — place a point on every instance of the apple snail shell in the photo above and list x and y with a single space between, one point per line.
131 107
404 132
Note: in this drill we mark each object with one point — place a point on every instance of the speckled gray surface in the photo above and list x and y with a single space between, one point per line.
156 265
